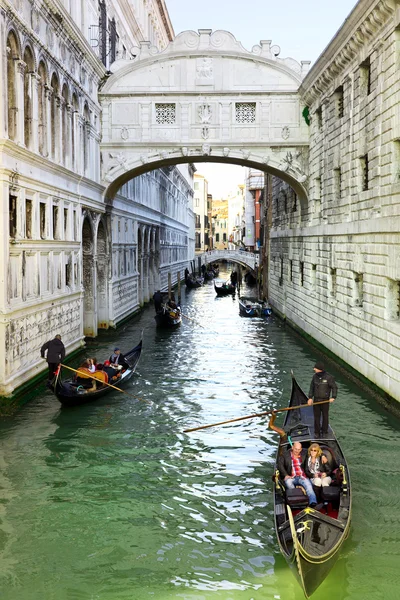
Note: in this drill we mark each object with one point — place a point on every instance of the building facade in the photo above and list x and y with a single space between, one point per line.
236 209
201 210
71 263
220 214
335 260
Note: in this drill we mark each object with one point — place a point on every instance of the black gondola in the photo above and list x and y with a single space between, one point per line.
70 393
168 317
225 289
310 539
194 282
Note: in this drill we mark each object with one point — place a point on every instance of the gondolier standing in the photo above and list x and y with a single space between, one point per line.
55 354
323 387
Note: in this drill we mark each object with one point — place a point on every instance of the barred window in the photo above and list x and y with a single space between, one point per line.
245 112
165 114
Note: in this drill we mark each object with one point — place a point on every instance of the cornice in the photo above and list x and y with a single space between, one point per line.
165 19
360 28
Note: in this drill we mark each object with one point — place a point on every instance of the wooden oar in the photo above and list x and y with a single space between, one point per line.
109 384
262 414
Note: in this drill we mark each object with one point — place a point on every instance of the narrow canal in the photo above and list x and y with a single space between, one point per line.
111 501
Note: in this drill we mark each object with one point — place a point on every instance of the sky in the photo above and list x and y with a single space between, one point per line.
302 30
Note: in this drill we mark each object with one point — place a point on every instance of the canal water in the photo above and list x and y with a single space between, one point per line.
112 501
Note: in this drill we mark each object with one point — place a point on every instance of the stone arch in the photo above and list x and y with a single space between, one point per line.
55 117
29 74
43 117
13 55
88 278
102 255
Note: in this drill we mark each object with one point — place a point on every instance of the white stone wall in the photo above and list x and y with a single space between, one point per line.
335 269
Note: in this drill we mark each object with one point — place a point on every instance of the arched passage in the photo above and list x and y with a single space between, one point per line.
88 272
12 107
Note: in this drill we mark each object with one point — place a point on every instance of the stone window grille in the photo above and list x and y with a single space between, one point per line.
165 114
301 273
338 182
245 112
333 283
365 77
364 167
358 289
393 300
339 96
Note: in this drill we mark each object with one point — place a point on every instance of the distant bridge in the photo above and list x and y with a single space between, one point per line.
246 259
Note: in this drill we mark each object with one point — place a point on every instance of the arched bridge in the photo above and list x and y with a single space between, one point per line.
246 259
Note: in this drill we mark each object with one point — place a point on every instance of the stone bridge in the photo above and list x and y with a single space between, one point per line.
246 259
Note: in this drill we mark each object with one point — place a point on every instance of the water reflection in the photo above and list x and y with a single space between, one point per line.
112 501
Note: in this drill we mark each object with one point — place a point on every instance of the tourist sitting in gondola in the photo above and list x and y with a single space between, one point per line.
291 468
84 377
117 359
92 364
317 467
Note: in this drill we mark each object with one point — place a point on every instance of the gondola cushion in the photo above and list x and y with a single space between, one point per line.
331 493
297 497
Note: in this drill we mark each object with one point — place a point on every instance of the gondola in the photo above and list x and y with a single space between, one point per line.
70 393
252 307
225 289
194 282
310 538
168 317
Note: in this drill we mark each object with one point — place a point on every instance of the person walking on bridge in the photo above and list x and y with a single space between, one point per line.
55 354
322 387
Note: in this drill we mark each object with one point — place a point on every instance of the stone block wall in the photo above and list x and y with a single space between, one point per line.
335 270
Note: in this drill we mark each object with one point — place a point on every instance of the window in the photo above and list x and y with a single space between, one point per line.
217 237
68 271
339 102
245 112
103 32
56 235
318 117
196 185
294 201
301 273
332 283
291 270
281 273
337 176
165 114
364 172
393 300
224 237
65 223
196 202
28 219
396 161
365 77
42 217
358 292
12 215
314 276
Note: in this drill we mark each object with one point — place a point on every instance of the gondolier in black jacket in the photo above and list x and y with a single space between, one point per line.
55 354
323 387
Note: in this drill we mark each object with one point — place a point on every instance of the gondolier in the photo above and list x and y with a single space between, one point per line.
55 354
322 387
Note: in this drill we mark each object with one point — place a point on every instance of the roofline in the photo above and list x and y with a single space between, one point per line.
162 7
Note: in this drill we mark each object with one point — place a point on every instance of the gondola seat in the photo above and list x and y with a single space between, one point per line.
297 498
331 494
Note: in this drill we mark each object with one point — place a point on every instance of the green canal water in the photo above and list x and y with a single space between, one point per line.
111 501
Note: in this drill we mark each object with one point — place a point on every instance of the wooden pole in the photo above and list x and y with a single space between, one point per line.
179 287
261 414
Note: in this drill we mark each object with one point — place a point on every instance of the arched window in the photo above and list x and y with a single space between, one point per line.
54 117
85 138
42 110
65 125
29 70
12 108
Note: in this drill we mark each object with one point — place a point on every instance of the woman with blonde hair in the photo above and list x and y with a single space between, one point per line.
317 466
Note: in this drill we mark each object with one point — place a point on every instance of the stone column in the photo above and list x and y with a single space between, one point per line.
35 80
75 148
20 67
68 158
47 121
59 158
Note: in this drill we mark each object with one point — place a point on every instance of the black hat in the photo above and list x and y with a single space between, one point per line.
320 366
